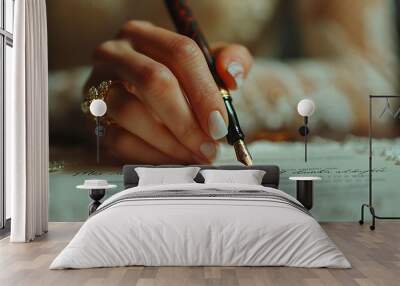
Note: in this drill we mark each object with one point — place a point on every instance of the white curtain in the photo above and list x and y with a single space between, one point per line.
27 124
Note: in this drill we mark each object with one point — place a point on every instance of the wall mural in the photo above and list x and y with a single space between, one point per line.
158 103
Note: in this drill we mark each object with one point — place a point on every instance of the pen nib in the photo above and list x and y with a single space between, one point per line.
242 153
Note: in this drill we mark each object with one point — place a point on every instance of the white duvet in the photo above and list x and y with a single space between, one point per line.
200 231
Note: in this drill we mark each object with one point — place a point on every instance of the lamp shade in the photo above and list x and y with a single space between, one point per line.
306 107
98 107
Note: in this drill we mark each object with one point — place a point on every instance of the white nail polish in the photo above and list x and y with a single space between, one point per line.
209 150
216 125
236 70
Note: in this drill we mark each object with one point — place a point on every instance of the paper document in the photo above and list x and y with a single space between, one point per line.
343 168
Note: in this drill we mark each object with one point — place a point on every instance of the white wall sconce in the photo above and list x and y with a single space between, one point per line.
98 108
305 108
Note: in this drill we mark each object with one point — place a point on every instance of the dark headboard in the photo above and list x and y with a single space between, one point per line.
271 177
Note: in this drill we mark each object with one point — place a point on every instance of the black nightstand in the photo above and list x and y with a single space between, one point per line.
304 190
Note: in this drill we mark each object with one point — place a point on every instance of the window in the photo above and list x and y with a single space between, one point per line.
6 67
9 15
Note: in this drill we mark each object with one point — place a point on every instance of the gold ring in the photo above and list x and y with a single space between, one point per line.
100 91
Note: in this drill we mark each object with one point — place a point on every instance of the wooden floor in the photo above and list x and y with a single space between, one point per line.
375 257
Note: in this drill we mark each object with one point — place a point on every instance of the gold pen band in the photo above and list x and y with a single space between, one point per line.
224 92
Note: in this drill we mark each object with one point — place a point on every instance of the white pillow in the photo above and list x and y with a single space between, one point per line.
247 177
162 176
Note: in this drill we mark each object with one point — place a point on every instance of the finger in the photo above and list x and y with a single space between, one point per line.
158 88
185 59
129 148
233 63
132 115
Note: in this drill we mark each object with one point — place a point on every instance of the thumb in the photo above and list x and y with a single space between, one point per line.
233 63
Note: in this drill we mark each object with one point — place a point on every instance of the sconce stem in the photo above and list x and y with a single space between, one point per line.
97 140
305 137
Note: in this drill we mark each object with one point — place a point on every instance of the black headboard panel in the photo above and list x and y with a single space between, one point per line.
271 177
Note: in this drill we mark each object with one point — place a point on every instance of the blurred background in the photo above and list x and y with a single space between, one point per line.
334 52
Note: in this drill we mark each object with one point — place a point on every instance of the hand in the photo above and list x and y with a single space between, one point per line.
168 109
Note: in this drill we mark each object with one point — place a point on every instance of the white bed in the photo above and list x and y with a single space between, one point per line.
185 230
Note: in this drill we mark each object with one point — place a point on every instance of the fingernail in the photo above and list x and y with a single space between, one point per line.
208 150
236 70
217 125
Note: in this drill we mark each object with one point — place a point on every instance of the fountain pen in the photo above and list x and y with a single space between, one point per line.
186 24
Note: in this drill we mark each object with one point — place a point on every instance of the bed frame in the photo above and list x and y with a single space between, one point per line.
270 179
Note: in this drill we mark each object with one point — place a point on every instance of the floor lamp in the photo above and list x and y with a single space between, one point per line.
370 202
